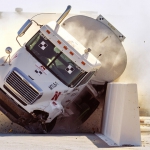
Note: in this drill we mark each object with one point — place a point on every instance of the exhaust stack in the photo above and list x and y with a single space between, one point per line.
61 18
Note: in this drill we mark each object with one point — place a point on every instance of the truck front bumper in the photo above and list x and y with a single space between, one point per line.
13 111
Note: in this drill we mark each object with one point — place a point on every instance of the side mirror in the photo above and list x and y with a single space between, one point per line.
24 28
8 50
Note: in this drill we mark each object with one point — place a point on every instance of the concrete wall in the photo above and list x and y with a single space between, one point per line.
133 24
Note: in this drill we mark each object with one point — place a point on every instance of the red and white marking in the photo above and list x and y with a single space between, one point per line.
42 68
56 95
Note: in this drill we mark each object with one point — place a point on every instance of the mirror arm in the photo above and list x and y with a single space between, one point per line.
18 41
37 23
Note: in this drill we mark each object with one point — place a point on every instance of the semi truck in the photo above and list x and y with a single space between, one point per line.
49 71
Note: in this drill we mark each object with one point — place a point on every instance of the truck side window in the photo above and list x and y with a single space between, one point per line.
66 70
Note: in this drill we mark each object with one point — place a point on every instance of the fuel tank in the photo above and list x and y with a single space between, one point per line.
105 43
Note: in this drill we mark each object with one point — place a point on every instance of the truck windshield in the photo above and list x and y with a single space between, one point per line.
54 60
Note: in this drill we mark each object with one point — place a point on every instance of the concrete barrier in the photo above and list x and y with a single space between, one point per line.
121 114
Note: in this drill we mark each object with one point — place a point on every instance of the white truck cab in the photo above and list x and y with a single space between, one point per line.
41 77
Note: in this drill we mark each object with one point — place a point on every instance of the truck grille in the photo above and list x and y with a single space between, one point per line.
20 85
